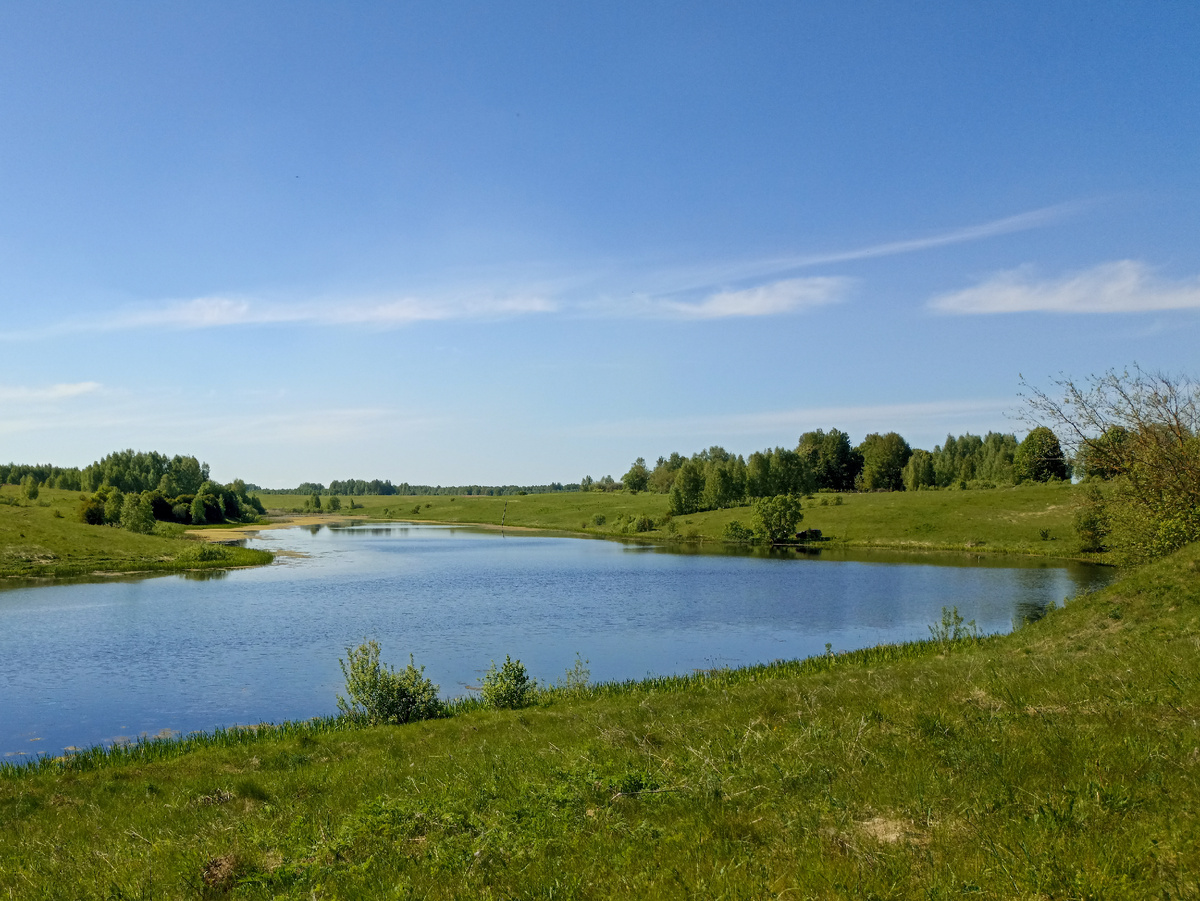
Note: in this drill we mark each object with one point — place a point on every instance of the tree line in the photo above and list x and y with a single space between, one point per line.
135 489
128 470
715 478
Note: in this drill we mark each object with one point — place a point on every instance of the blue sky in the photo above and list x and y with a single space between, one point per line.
493 243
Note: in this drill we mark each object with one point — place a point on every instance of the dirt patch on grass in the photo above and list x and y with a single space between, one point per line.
220 873
889 831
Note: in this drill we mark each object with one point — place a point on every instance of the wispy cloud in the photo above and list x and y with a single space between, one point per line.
722 290
699 277
786 296
1124 286
219 312
210 312
16 394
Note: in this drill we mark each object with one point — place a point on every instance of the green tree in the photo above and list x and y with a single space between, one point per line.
638 476
834 463
91 508
884 458
188 474
334 505
724 484
113 506
775 518
919 471
663 476
687 490
1040 457
1104 457
137 513
29 486
1142 430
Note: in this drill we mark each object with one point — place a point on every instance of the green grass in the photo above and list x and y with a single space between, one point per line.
1001 520
45 539
1061 761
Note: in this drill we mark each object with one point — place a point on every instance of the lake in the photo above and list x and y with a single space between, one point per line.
89 663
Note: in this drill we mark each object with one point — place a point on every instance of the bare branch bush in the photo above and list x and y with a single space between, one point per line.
1138 432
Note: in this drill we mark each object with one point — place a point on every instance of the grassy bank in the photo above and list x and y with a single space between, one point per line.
1002 520
1057 762
45 539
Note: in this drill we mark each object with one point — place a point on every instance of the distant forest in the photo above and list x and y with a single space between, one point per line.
179 489
826 461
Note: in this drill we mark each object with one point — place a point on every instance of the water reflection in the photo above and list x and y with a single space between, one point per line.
205 575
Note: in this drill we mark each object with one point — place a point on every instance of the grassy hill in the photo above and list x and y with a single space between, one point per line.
44 538
1060 761
1001 520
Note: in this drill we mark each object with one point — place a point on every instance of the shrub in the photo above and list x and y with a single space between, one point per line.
508 687
599 519
952 630
113 505
379 694
775 518
576 679
735 531
643 524
137 514
91 509
203 553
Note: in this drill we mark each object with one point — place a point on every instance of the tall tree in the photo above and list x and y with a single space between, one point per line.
638 476
834 463
883 457
1040 457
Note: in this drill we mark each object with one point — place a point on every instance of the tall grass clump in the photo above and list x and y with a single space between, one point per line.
952 629
379 694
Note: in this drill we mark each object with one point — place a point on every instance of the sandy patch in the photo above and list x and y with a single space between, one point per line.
888 831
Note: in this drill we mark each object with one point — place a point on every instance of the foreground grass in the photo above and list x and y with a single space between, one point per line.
1057 762
1001 520
45 539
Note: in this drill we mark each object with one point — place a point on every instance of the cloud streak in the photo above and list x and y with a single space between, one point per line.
697 293
701 277
1123 286
14 394
786 296
213 312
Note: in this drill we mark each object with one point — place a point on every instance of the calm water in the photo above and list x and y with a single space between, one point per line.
87 663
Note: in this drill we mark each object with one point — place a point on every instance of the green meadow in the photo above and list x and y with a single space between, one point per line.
1033 519
1060 761
44 538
